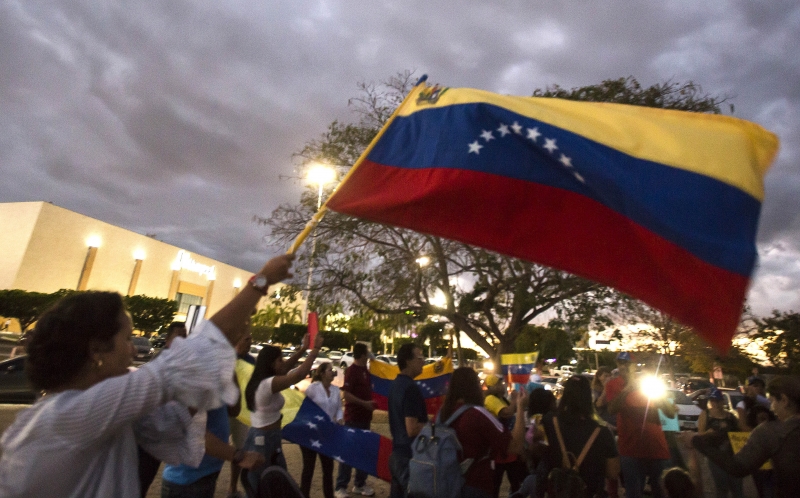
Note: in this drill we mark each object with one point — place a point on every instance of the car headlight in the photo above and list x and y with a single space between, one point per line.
653 387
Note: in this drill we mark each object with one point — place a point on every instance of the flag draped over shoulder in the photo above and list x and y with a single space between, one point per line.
660 204
359 448
517 368
433 382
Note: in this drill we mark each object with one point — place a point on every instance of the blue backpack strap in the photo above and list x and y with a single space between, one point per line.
456 414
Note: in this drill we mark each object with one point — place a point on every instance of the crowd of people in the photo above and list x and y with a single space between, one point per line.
103 429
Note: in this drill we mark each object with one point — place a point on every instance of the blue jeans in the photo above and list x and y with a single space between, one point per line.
343 477
202 488
268 443
636 470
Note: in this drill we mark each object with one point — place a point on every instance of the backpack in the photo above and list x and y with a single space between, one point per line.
566 481
435 470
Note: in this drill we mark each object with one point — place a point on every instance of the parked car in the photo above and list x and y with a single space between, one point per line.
553 384
730 397
335 355
255 349
144 350
688 411
346 360
387 358
159 341
321 358
693 384
14 385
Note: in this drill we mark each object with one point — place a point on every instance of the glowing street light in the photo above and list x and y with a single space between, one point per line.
319 174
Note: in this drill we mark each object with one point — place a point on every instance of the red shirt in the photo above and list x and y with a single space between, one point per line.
356 382
481 434
637 437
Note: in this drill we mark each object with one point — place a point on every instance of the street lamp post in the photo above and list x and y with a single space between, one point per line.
318 174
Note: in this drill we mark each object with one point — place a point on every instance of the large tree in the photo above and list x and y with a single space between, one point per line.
393 271
781 335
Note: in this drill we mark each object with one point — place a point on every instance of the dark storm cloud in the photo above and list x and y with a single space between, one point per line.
178 118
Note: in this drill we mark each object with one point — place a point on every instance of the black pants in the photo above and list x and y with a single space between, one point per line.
309 461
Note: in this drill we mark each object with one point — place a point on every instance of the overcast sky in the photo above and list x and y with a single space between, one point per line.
178 118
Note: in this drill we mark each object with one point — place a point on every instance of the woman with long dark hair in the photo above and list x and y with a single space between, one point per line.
271 375
481 435
574 424
79 439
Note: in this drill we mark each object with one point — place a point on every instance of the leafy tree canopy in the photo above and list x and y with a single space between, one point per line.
393 272
150 314
781 335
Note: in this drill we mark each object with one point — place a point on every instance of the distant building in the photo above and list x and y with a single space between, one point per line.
45 248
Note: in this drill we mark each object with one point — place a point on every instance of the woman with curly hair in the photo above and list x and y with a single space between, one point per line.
79 439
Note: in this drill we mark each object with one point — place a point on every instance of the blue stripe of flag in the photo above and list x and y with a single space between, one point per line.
714 221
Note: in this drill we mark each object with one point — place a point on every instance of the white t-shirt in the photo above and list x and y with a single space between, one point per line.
268 405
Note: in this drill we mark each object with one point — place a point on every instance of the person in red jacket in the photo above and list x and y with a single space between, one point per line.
644 453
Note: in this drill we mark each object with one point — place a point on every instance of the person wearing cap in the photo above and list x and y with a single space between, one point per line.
643 448
775 441
754 394
715 419
504 409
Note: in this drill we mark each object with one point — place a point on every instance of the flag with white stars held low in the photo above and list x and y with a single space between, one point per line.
359 448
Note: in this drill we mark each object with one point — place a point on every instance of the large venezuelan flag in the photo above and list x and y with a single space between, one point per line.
433 382
660 204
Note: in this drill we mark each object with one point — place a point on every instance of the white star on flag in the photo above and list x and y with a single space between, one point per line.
311 425
475 147
351 430
517 128
565 160
316 444
579 177
533 133
487 135
339 459
320 417
503 130
550 144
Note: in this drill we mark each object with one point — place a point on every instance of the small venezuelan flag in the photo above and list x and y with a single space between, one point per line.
517 368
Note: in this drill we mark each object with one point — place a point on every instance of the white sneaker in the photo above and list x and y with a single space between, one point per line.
364 491
341 493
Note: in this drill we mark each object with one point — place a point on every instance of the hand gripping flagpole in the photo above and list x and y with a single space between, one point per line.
314 221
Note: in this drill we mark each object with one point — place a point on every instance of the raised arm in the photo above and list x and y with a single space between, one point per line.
282 382
517 443
232 316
